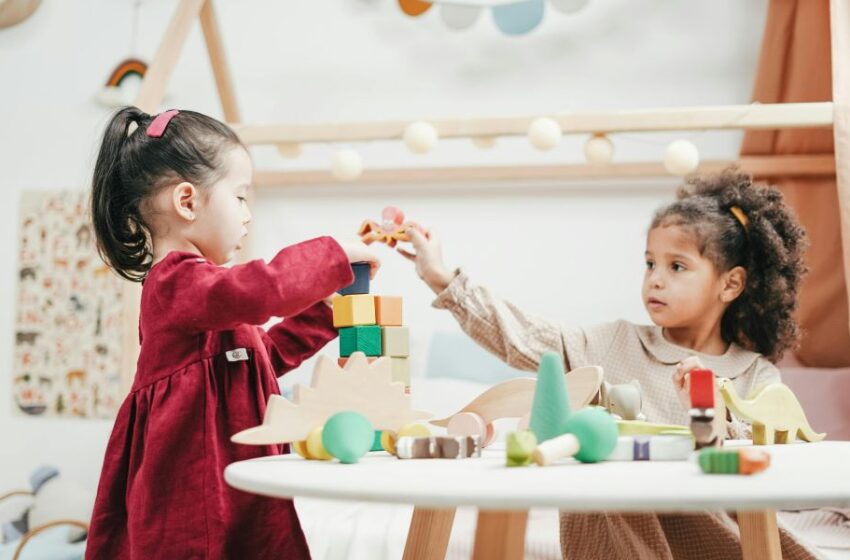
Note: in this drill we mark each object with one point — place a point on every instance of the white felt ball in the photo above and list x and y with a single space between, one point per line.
544 133
599 150
681 157
484 142
346 165
568 6
420 137
459 17
289 150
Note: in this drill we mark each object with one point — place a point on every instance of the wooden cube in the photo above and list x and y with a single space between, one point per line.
361 280
395 341
350 311
388 311
401 370
702 388
362 338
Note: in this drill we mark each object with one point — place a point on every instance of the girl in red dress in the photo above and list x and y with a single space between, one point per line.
169 207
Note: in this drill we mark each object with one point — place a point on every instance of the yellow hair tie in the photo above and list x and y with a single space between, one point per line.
741 217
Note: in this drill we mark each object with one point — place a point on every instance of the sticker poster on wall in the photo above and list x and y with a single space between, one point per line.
68 323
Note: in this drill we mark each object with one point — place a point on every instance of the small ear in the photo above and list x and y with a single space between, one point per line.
184 198
734 282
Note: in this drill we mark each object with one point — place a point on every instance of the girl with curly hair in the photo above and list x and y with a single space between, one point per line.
723 269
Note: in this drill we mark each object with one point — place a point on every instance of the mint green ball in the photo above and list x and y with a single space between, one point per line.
596 432
348 436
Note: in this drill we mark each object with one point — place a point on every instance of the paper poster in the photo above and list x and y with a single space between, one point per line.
68 322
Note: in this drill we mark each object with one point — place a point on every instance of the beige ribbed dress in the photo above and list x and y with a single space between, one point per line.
626 351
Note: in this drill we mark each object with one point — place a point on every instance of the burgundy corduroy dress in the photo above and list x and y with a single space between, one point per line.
205 372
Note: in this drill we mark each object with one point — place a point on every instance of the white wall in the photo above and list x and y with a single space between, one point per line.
566 251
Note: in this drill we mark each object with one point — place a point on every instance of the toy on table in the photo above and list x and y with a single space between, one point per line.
733 461
773 410
438 447
391 230
622 401
388 438
520 447
360 387
641 428
513 399
589 434
652 448
708 416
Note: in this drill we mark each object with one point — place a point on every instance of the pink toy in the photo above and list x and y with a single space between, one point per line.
391 230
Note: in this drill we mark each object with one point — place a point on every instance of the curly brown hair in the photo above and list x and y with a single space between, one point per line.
770 247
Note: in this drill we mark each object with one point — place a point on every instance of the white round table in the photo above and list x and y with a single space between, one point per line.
800 476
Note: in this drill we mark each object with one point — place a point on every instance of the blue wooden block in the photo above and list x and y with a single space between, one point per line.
361 280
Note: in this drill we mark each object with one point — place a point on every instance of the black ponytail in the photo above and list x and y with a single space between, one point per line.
769 243
132 166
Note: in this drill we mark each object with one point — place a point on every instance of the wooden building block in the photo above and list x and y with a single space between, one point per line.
401 370
350 311
702 388
395 341
362 338
388 311
361 280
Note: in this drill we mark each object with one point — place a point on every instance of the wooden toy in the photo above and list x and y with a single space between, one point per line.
300 447
652 448
395 341
376 442
401 370
519 448
362 338
550 407
315 447
438 447
388 438
708 421
640 428
391 230
622 401
347 436
359 387
733 461
361 280
774 411
388 311
349 311
513 398
471 424
590 436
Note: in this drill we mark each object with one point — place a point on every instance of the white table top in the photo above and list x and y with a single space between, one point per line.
800 476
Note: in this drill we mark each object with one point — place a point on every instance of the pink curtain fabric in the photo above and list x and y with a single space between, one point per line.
795 66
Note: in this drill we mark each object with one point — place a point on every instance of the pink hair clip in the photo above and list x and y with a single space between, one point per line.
157 126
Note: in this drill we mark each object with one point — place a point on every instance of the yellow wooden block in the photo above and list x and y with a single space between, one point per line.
401 370
395 342
388 311
354 310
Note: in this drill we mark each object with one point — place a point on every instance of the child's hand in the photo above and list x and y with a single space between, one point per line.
681 379
428 259
358 252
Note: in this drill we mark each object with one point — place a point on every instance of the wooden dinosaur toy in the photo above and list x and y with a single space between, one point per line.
774 411
363 387
512 399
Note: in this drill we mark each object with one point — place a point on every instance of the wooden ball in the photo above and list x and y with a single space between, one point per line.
681 157
348 436
315 449
599 150
290 151
420 137
346 165
544 133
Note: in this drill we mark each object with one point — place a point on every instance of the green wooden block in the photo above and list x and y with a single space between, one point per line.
550 407
366 339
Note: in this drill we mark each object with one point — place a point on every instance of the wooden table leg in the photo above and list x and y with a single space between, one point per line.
429 534
759 535
500 535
